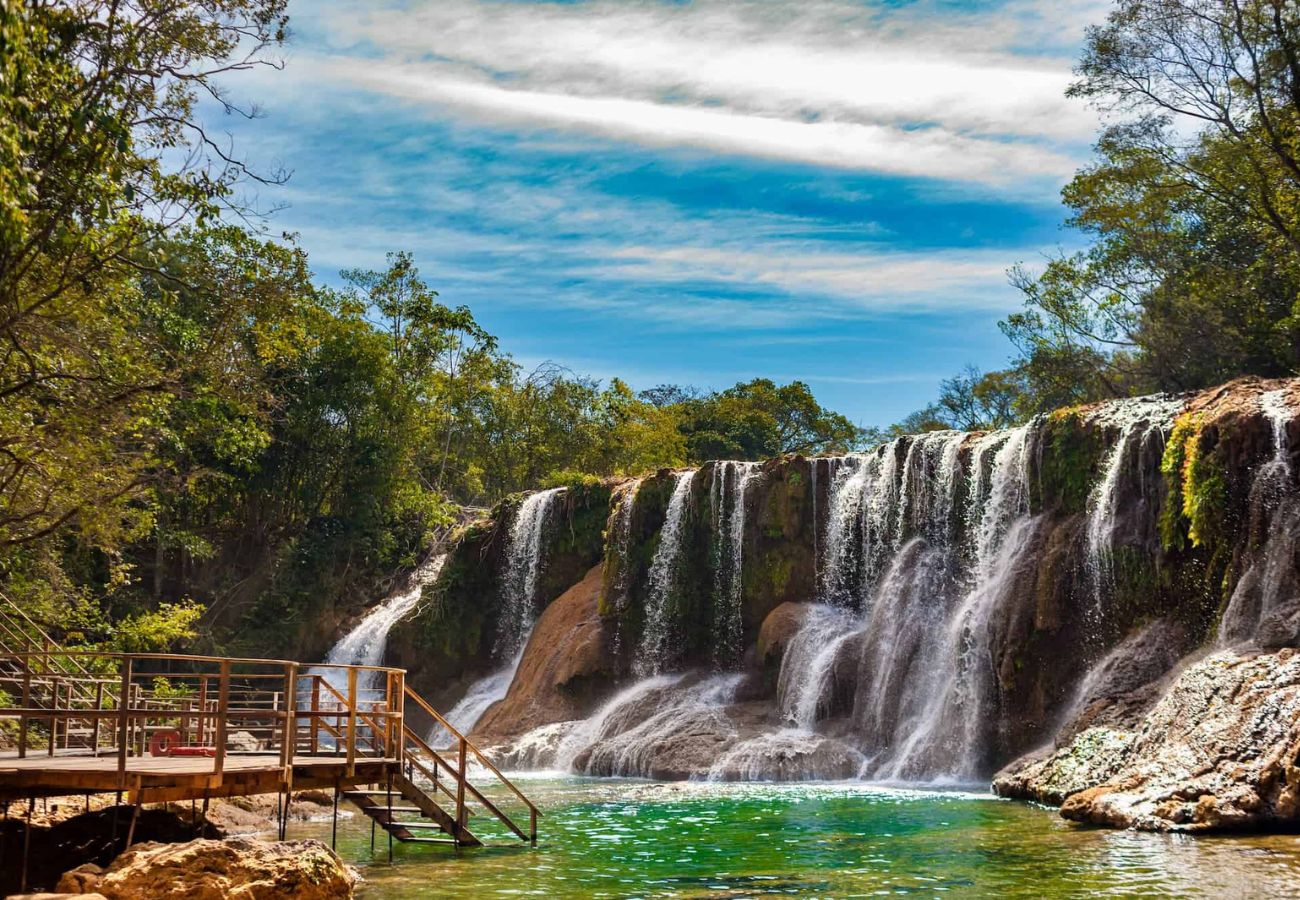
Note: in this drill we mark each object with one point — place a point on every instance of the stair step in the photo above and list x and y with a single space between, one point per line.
379 807
416 840
431 826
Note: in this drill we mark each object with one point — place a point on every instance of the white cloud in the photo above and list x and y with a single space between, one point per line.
868 281
916 91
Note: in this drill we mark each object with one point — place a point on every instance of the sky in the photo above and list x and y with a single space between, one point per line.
690 193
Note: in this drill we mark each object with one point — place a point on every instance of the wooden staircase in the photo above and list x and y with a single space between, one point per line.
409 824
164 727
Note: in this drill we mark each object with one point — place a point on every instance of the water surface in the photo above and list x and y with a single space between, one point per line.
611 838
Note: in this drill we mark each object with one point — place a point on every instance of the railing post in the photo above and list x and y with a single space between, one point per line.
223 707
399 712
203 709
54 715
352 721
27 702
124 721
460 789
315 708
290 710
99 708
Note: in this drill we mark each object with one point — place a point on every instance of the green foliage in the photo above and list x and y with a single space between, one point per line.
158 630
1071 453
1196 491
753 420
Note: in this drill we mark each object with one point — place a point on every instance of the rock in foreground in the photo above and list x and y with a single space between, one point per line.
1219 752
213 870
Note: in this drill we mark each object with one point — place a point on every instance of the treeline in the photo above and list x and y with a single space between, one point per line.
1193 207
196 436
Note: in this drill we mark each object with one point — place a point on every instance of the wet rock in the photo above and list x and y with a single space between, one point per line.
1218 752
1049 776
1128 681
779 629
788 755
566 667
243 742
215 870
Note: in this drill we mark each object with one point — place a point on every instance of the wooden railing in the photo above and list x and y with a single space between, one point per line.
464 747
152 704
195 705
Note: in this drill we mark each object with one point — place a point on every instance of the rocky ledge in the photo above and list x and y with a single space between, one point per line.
239 868
1220 751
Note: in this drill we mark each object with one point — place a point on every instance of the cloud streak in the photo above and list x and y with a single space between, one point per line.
917 92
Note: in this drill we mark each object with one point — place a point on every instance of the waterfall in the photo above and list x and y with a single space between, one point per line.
622 537
731 483
1142 424
653 654
523 567
808 664
478 698
848 486
364 645
926 671
1271 577
630 727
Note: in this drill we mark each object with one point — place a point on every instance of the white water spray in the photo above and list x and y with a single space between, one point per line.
523 567
652 655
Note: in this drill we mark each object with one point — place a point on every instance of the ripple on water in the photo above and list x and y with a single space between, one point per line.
607 838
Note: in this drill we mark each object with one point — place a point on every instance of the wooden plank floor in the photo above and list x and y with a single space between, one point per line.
179 777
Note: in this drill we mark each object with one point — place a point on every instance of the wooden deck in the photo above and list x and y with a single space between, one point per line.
158 779
163 727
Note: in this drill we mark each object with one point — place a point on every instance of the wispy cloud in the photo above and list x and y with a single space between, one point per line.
919 91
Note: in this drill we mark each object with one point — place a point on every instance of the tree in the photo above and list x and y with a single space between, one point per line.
99 150
1194 204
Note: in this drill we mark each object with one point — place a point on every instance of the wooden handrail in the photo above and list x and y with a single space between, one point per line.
470 745
464 784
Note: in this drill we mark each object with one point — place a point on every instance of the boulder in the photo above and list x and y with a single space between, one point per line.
788 755
238 868
243 742
778 630
1219 752
566 667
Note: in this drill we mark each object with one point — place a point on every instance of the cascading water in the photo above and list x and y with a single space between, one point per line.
1142 423
523 566
652 655
364 645
807 666
931 556
622 537
477 700
1271 577
731 484
927 664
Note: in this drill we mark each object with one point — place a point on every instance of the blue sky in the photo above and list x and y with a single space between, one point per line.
693 193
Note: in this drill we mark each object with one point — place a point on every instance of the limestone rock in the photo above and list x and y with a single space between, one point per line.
237 868
565 668
1220 751
243 742
779 628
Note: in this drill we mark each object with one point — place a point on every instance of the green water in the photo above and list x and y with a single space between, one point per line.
636 839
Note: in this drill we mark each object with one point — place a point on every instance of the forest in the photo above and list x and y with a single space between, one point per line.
198 435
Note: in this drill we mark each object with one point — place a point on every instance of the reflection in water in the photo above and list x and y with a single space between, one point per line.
627 838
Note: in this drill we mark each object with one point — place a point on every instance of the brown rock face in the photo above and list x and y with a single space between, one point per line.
1219 752
566 667
235 869
779 628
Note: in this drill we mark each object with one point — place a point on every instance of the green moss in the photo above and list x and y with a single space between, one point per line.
1196 488
1071 454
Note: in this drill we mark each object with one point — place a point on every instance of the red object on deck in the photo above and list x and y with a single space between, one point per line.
168 743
